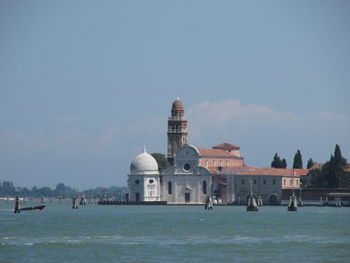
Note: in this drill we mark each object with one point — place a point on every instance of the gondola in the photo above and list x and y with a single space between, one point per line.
39 207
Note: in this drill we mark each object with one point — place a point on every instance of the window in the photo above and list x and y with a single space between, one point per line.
284 181
291 181
137 197
137 181
151 181
187 167
170 190
264 181
274 181
204 187
226 163
213 162
297 182
220 162
254 181
242 181
206 163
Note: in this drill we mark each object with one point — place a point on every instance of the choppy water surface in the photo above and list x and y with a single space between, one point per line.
95 233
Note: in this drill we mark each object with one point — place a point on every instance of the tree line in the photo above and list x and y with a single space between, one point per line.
7 189
331 174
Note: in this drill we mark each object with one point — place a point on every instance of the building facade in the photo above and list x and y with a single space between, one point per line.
221 156
186 181
144 178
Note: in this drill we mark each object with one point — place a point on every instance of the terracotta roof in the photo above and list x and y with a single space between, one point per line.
267 171
316 166
215 153
177 105
215 168
226 146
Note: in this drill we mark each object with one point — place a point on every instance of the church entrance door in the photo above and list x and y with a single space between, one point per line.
187 197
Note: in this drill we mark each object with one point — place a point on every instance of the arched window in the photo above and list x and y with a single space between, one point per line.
204 187
170 190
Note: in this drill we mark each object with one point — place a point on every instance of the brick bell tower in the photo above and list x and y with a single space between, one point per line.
177 130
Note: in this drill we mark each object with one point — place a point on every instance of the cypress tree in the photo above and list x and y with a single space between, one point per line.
338 158
329 169
284 164
339 163
298 161
276 163
310 163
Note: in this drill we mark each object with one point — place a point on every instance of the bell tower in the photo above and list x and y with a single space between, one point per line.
177 130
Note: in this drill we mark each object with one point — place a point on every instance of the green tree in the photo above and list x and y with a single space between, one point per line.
278 163
339 165
298 161
310 163
284 164
161 161
332 173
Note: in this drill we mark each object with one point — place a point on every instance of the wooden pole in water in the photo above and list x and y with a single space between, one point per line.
17 206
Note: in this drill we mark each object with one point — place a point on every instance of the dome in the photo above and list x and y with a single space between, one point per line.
177 105
144 163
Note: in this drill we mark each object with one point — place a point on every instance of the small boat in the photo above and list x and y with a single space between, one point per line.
39 207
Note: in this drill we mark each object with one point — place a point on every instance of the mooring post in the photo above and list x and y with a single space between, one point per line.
17 205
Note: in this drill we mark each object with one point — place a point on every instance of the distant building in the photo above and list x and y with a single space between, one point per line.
185 182
221 156
266 182
144 178
197 172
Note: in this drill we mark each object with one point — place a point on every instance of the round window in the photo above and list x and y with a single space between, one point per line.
187 167
151 181
137 181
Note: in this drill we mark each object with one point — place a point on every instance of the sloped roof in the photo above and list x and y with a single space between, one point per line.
217 153
316 166
226 146
268 171
213 152
227 168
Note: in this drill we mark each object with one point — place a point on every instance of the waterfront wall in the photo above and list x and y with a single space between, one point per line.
314 193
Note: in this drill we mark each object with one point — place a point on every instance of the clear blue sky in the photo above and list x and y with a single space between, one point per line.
84 85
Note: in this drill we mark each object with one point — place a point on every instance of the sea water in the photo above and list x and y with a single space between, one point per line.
96 233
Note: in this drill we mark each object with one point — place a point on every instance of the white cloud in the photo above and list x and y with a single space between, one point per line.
262 130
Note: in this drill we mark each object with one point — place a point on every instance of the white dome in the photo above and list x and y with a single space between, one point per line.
144 163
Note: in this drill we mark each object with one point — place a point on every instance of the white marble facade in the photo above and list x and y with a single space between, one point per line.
185 182
144 178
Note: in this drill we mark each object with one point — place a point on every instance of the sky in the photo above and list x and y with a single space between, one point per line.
85 85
